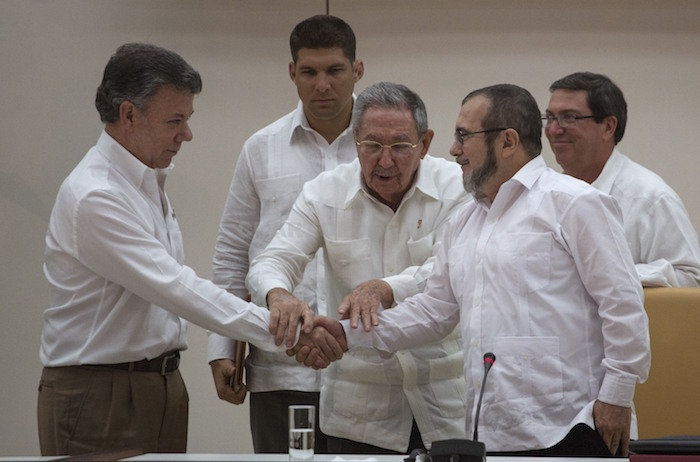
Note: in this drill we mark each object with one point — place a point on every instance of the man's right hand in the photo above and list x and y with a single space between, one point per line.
325 344
222 370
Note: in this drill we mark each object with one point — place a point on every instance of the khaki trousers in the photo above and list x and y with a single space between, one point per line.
85 409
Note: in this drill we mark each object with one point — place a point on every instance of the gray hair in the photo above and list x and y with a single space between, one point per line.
136 72
394 96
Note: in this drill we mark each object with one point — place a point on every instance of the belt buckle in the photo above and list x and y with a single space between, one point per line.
164 364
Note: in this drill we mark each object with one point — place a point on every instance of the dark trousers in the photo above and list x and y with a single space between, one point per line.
343 446
581 441
85 409
269 420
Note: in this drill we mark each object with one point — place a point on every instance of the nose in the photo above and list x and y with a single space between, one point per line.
186 133
456 149
385 158
322 83
553 128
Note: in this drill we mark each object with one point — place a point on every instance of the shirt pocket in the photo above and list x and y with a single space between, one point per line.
527 378
361 389
350 261
277 195
421 249
524 260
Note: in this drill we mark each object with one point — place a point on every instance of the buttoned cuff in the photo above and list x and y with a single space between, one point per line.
355 337
617 390
220 347
403 287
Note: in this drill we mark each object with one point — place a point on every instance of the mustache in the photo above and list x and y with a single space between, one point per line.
380 171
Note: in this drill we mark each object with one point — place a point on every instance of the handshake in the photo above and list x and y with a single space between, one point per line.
324 344
325 341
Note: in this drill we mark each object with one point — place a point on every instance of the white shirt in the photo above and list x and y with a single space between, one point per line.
114 262
272 167
542 278
366 397
659 232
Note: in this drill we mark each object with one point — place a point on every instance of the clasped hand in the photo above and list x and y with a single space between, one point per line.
286 312
324 344
321 340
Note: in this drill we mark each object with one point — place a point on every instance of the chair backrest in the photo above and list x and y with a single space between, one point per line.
668 403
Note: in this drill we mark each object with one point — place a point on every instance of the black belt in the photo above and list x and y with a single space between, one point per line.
167 362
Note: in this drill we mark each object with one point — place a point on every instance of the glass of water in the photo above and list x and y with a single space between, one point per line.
302 423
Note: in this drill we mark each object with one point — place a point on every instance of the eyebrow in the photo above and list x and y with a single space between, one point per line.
563 111
182 115
335 65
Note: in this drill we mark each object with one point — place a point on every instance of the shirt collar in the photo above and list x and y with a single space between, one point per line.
530 172
426 184
527 176
355 183
607 176
127 164
300 122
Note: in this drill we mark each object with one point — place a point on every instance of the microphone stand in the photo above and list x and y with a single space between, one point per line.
489 359
459 450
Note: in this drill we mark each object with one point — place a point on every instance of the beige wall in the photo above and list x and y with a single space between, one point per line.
52 53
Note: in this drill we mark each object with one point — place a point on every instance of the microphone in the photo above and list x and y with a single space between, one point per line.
458 450
489 359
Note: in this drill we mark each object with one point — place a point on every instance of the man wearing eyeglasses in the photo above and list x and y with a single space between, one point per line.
378 221
584 122
536 271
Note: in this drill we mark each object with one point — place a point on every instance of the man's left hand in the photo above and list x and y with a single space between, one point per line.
613 425
286 312
363 303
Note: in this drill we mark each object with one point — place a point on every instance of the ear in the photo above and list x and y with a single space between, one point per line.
292 70
127 113
609 127
510 142
358 68
427 139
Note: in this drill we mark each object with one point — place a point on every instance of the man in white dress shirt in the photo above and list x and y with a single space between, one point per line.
272 167
585 120
378 221
118 287
536 270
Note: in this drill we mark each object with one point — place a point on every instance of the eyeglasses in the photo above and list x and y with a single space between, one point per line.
564 120
461 135
400 149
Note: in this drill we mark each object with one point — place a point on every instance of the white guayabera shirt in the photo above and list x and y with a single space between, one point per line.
365 396
544 279
271 169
